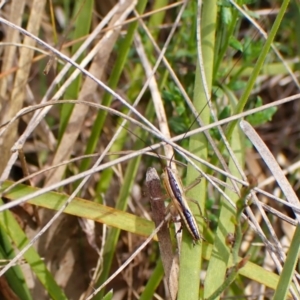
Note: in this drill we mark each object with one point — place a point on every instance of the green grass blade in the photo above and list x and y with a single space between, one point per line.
113 235
84 209
83 15
14 275
227 213
12 228
153 282
114 79
108 296
287 273
221 251
122 203
190 259
124 221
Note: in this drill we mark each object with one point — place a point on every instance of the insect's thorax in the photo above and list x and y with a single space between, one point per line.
174 182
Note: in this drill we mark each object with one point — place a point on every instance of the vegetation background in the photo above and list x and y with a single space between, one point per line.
77 113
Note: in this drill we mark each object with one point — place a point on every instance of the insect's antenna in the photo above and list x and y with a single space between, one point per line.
147 144
189 128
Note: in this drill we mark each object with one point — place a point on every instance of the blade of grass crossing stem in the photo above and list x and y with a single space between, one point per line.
14 275
38 267
83 15
113 235
190 258
107 98
288 269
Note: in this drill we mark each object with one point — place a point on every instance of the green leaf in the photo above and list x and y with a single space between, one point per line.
225 113
177 125
226 15
14 275
235 44
108 296
237 85
83 208
261 117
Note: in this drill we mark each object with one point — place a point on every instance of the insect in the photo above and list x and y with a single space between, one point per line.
174 189
176 193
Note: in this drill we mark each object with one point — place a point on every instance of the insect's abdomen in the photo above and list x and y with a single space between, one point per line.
191 224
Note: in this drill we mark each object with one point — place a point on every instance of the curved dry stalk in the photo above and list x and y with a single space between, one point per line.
129 260
280 179
272 165
100 52
153 147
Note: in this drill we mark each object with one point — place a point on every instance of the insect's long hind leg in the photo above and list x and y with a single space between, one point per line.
193 184
201 214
